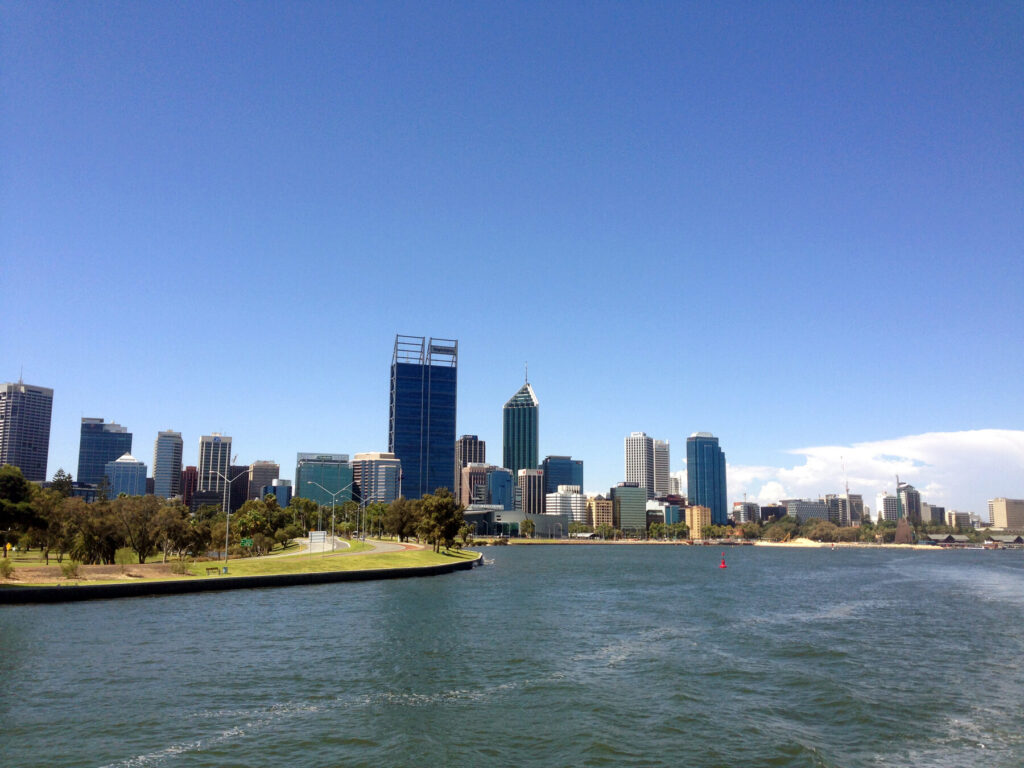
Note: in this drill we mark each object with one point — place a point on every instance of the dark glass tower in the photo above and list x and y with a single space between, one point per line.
421 426
99 444
705 475
561 470
520 421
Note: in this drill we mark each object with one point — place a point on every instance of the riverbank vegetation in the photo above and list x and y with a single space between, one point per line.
57 524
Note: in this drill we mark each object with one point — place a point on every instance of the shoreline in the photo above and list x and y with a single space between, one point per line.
13 594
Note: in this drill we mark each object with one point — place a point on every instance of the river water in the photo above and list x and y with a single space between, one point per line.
551 656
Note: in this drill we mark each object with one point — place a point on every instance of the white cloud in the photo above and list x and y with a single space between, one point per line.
959 470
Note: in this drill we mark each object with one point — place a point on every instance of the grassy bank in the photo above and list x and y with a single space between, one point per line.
302 562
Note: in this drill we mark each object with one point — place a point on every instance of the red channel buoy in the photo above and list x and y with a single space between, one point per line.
723 565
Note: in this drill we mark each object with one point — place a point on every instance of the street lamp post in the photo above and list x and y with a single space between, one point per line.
334 497
227 509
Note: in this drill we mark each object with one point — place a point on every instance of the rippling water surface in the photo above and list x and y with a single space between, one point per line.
634 656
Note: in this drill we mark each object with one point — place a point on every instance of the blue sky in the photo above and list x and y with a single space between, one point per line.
788 224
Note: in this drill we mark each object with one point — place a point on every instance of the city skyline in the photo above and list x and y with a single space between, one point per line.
831 196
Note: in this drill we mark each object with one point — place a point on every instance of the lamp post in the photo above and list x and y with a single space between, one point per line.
227 509
334 497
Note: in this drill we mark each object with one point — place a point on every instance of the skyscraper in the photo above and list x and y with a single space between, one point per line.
189 484
377 477
25 428
167 464
630 502
261 474
661 467
333 471
100 443
910 502
125 475
214 463
520 430
640 461
531 489
705 475
421 425
561 470
469 449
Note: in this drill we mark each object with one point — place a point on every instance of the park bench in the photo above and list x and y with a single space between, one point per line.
215 569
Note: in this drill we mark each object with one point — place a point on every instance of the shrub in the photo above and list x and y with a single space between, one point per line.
181 567
70 569
6 568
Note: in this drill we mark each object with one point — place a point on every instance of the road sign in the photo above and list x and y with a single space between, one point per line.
246 542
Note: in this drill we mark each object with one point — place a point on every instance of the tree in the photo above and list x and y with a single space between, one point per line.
466 534
441 520
97 531
16 512
62 483
375 516
138 516
527 528
401 518
658 531
677 531
172 529
303 511
577 528
751 530
820 530
605 531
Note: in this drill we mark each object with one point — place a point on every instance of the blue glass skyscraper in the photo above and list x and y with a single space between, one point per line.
421 426
100 443
705 475
561 470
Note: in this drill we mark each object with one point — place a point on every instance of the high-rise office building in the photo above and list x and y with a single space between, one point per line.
886 508
167 464
333 471
25 428
261 474
745 512
421 425
501 488
640 461
377 476
125 475
630 500
520 431
675 486
473 483
189 485
531 491
238 475
1006 514
705 475
662 486
100 443
910 502
561 470
214 465
469 449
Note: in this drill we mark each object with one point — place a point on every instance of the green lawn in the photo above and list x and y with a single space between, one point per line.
317 564
302 562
